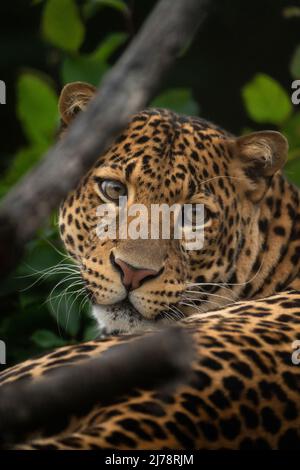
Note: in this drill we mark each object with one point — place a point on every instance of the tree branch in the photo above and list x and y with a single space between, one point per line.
127 88
152 361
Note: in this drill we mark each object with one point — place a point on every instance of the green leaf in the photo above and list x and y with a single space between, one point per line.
295 63
177 99
62 26
266 101
22 162
65 308
37 108
91 332
292 170
93 6
90 68
37 112
29 298
291 12
82 69
40 258
108 46
116 4
291 130
11 284
46 339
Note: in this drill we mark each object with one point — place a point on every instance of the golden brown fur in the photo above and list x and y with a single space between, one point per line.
245 389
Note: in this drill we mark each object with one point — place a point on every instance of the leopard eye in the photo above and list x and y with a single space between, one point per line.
196 215
112 189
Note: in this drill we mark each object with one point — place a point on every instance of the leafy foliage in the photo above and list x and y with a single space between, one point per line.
177 99
62 25
37 108
37 113
91 67
266 101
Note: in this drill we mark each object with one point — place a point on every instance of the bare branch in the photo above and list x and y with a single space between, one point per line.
127 88
152 361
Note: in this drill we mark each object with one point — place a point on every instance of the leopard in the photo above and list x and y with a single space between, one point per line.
251 219
236 297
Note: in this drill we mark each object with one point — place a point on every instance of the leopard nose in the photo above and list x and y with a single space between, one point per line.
133 277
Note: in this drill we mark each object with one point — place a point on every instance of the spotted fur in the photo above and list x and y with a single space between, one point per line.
238 297
243 394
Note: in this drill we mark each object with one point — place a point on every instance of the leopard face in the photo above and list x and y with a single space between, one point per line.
164 158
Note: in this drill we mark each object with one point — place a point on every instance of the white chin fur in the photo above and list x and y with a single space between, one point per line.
120 318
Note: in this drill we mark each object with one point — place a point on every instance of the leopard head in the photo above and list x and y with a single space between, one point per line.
164 158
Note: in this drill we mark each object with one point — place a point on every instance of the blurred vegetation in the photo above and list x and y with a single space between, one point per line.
42 303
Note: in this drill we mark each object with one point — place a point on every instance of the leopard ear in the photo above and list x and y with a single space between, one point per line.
257 157
73 98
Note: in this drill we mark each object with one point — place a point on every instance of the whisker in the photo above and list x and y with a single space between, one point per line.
79 292
220 285
175 311
69 292
61 253
198 306
223 176
70 277
209 294
226 284
50 272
